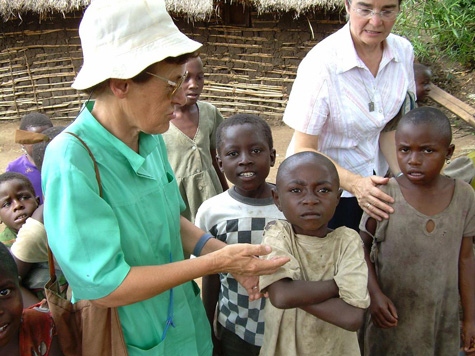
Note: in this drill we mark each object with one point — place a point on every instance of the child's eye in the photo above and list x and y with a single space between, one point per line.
6 204
295 190
428 150
232 154
323 190
5 292
25 197
256 150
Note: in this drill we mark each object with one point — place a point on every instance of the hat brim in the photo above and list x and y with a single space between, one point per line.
128 65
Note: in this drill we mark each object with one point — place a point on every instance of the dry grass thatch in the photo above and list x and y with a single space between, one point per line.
193 9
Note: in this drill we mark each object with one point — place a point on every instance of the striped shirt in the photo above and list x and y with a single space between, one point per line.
331 94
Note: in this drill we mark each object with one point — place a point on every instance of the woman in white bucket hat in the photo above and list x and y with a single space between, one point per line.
123 248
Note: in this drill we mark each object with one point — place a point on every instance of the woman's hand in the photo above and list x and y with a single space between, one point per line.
372 199
243 259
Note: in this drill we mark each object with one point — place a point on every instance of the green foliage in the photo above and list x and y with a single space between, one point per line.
439 28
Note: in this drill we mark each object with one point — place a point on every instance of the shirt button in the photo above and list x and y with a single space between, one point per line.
197 171
193 148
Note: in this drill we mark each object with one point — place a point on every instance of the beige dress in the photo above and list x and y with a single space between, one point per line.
418 271
338 256
191 160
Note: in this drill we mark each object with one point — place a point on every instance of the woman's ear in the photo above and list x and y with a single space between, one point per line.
347 6
119 87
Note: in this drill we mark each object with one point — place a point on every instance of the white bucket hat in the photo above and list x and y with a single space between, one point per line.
121 38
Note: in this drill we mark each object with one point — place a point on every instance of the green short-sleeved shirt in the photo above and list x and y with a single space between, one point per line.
136 223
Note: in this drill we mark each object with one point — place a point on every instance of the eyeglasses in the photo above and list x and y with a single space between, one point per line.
175 85
388 15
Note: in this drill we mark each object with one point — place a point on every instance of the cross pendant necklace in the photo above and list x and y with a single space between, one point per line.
370 96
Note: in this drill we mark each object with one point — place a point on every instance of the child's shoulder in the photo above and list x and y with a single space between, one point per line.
20 161
346 234
212 202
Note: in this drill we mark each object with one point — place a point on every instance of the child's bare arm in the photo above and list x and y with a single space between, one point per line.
467 293
287 293
210 296
338 312
383 312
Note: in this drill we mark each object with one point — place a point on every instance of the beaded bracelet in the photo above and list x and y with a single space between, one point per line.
201 242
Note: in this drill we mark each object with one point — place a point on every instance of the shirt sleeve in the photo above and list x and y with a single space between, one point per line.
31 245
308 106
352 272
277 237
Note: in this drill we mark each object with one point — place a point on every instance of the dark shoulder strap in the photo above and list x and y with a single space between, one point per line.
96 168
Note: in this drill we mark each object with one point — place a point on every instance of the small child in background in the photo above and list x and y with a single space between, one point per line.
245 155
30 249
317 300
422 76
22 331
33 122
191 144
17 203
421 258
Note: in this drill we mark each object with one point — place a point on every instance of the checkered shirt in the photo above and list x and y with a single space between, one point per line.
232 219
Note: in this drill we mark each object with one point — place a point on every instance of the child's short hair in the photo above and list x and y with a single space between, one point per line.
428 115
322 159
35 119
420 69
241 119
8 266
38 150
8 176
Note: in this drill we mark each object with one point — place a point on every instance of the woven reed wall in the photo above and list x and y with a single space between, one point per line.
38 62
249 70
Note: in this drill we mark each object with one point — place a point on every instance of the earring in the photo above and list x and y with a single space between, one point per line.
447 161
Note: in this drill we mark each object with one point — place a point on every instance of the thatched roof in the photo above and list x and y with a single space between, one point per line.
193 9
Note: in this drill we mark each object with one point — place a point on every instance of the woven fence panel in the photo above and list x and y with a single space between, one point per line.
38 62
251 69
248 69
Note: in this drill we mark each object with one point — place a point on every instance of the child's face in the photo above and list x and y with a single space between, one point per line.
193 84
245 158
421 152
17 203
422 86
308 193
11 308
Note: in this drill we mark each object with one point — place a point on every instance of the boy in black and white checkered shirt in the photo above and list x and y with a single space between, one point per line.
245 154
